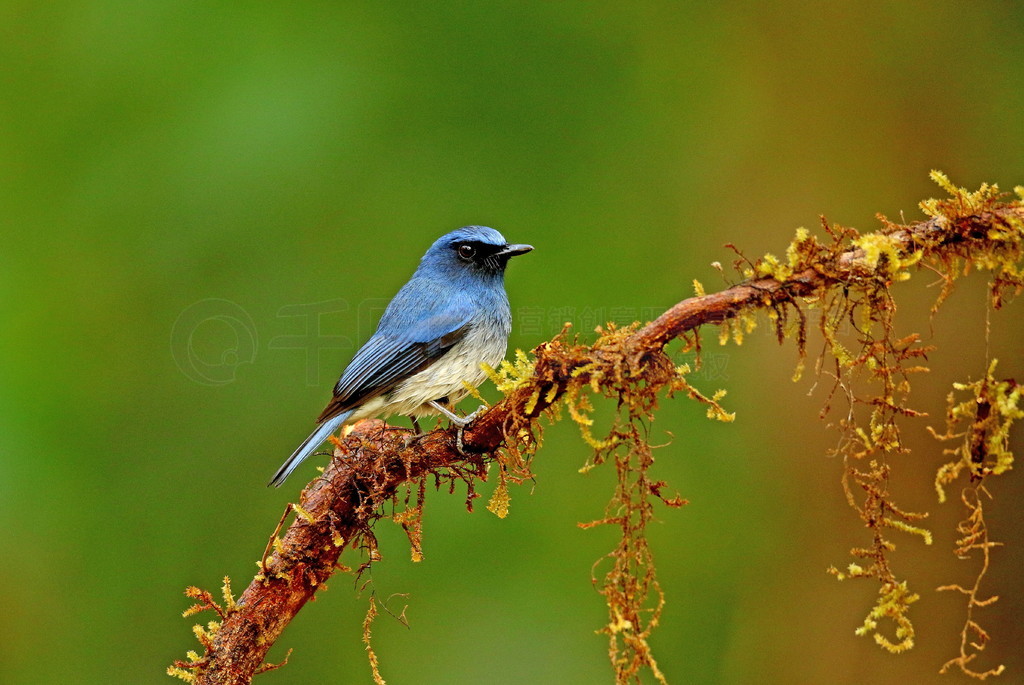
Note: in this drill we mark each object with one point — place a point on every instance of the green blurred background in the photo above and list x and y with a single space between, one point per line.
204 205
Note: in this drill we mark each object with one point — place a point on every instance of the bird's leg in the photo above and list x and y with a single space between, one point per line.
410 439
459 421
416 425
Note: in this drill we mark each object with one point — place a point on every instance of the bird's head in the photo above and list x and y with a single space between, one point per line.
472 250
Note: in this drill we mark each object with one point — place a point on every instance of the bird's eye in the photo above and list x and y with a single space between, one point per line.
466 252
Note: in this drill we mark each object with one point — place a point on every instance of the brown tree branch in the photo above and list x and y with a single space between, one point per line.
372 463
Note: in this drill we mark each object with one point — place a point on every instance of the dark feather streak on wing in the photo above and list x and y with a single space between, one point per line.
382 364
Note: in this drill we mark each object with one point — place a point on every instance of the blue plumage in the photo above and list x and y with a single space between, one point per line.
452 316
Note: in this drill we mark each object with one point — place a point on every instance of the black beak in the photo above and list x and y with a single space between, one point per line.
513 250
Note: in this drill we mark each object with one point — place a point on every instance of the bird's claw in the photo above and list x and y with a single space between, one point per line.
470 418
461 422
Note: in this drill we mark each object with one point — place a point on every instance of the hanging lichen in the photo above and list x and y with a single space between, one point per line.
981 425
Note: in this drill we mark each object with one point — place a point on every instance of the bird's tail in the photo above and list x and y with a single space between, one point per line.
307 447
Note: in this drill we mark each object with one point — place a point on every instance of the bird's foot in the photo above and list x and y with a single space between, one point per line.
466 420
411 439
417 432
459 421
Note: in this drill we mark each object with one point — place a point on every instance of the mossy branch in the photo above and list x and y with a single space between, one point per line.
374 462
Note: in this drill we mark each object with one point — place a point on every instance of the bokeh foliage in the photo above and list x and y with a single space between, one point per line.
158 155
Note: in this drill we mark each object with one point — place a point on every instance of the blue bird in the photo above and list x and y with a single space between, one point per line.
452 316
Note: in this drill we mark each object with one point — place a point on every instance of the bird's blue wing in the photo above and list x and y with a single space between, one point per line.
396 352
